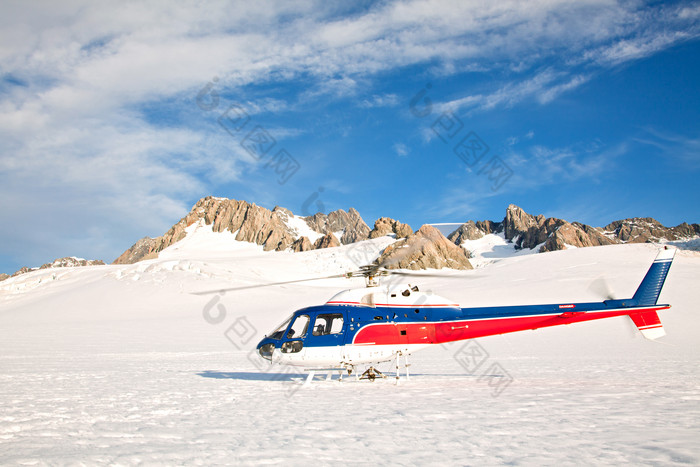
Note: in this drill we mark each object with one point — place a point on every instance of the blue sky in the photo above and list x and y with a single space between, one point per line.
112 115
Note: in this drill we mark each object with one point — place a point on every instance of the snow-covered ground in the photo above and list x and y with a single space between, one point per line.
123 365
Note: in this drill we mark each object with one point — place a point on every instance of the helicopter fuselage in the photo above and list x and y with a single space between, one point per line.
376 324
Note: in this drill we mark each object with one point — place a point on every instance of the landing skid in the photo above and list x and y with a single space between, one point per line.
371 374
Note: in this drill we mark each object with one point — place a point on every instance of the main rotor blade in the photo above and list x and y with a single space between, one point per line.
270 284
429 274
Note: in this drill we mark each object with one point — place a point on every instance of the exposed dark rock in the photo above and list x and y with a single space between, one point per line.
138 251
647 229
23 270
72 262
467 231
427 248
528 231
474 230
489 227
4 276
387 225
302 244
284 213
327 241
566 234
252 223
351 223
517 222
595 235
255 224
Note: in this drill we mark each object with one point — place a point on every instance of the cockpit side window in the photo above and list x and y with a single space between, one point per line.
331 323
299 327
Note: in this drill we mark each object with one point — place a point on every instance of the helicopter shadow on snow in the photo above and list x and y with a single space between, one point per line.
266 376
249 375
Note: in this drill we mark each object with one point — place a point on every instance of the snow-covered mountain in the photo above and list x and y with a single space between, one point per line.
541 234
67 262
281 230
277 230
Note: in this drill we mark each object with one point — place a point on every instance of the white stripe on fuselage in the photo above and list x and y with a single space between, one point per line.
344 355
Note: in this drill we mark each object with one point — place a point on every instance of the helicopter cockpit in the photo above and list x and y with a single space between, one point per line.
304 327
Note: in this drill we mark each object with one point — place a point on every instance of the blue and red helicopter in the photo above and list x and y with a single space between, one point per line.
382 323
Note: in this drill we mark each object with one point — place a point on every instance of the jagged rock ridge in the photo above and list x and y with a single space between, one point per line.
254 224
66 262
550 234
474 230
251 223
646 229
350 223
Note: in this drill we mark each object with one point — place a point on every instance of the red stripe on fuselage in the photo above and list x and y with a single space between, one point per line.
440 332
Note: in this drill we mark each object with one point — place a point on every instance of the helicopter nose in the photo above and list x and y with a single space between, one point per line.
265 349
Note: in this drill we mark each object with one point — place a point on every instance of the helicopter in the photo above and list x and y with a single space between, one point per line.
377 324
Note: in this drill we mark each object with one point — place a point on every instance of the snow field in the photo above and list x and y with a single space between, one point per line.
121 365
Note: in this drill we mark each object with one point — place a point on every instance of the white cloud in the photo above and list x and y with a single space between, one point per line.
544 86
401 149
384 100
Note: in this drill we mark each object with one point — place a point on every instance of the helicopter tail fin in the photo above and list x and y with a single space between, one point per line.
650 288
649 324
647 293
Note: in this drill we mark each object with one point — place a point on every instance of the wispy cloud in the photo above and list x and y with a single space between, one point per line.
540 165
543 87
534 167
681 150
385 100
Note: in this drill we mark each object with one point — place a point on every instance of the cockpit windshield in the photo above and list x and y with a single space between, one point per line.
299 327
279 330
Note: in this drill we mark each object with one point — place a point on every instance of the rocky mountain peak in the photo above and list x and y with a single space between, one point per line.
647 229
426 248
350 223
518 221
529 231
387 225
254 224
251 223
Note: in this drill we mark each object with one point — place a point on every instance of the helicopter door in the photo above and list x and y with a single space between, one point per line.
327 334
